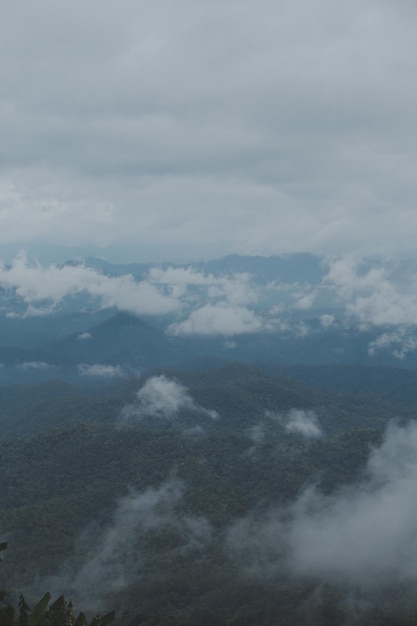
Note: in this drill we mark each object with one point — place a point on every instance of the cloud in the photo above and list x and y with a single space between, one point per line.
218 319
235 289
298 421
303 423
363 534
162 398
35 283
117 555
225 297
257 433
399 342
84 336
101 371
327 320
291 133
34 365
305 301
371 294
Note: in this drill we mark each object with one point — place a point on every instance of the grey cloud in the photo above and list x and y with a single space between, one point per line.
99 370
114 556
363 534
257 433
164 398
209 127
235 289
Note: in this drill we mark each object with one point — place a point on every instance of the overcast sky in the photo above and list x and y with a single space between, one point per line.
190 129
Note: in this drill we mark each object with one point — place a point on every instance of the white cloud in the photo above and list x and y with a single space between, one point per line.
371 295
298 421
164 398
100 370
34 365
304 423
218 319
364 534
84 336
399 342
234 289
327 320
35 283
305 301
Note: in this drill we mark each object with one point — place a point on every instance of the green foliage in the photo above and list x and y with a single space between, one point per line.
3 546
56 482
60 613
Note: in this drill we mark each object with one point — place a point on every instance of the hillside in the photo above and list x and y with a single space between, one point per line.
152 482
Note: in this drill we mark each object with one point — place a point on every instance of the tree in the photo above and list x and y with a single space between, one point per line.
59 613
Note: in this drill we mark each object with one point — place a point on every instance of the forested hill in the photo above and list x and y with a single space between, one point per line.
137 491
241 394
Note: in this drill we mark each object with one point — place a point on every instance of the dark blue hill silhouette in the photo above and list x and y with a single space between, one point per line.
122 338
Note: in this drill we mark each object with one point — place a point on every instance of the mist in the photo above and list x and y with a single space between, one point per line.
110 559
363 536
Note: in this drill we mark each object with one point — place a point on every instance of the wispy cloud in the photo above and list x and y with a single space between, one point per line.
117 556
99 370
34 365
298 421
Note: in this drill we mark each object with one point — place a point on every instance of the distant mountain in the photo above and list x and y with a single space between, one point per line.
290 268
236 308
120 339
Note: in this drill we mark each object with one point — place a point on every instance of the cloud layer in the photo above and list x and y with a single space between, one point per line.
208 127
45 285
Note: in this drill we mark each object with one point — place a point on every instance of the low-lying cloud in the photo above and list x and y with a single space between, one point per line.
163 398
298 421
50 285
235 289
399 342
219 319
100 370
364 534
118 555
34 365
372 294
213 305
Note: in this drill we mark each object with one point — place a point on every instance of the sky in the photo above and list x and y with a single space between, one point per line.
150 131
